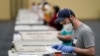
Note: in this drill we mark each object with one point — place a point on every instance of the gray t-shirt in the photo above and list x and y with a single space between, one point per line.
84 36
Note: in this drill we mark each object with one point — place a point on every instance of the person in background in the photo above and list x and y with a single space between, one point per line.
57 26
42 2
34 7
47 12
65 35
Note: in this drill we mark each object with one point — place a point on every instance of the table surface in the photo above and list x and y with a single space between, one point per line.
39 54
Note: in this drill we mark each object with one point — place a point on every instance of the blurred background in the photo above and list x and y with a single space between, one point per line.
87 11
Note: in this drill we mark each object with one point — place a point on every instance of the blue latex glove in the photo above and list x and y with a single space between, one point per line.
57 46
64 49
67 49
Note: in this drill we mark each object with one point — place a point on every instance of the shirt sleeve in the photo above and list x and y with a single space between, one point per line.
88 38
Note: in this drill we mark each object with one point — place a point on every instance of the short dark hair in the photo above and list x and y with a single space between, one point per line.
33 3
56 8
45 3
71 13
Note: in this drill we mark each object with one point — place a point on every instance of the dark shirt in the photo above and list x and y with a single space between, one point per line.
58 26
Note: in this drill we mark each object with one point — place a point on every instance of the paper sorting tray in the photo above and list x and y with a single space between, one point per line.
26 17
34 27
39 35
33 46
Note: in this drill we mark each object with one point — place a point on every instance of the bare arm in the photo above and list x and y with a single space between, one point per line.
88 39
85 52
64 37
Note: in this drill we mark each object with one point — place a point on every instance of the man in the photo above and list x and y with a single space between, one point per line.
83 36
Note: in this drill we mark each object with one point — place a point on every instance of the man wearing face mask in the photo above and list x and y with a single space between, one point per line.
83 36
